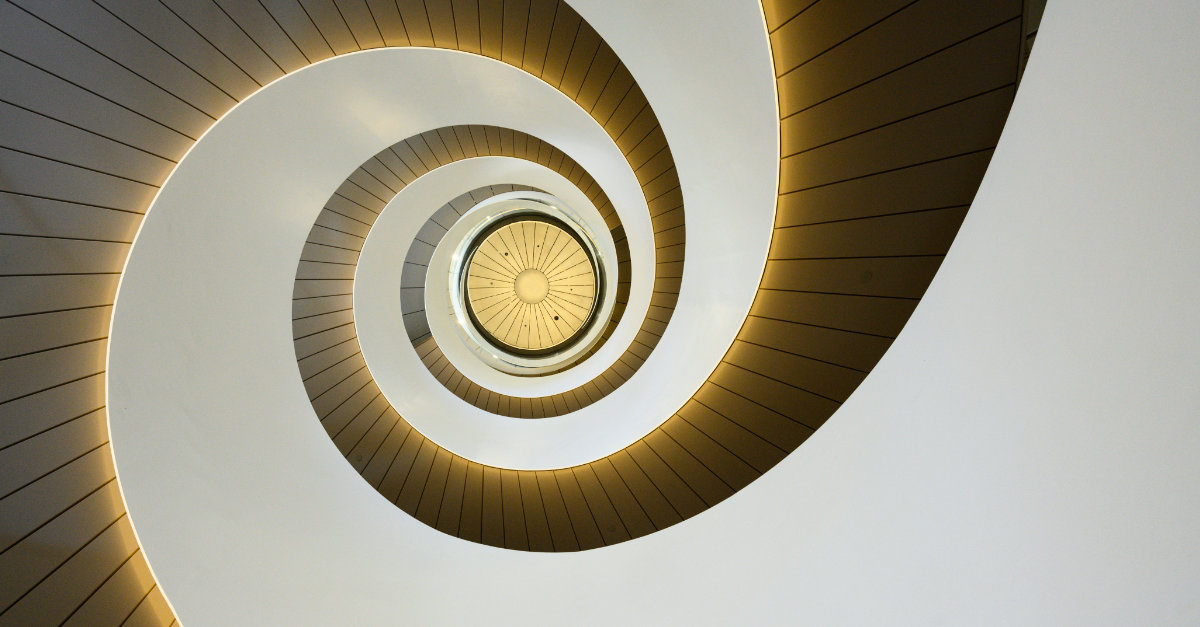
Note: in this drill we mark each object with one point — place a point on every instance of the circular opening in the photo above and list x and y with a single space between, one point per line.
531 285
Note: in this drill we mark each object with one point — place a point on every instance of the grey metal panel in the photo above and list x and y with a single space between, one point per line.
299 27
27 334
906 277
166 24
31 294
420 254
915 140
515 20
310 344
37 134
376 187
417 24
387 19
37 176
823 26
445 217
920 29
37 555
254 20
648 497
353 401
462 204
363 27
779 12
351 209
396 166
28 215
412 274
33 373
69 586
329 21
322 382
27 461
309 289
117 596
867 315
331 237
363 422
33 88
466 24
101 31
364 198
24 511
31 415
412 299
322 270
37 255
922 233
772 426
430 233
33 41
316 324
151 612
316 306
380 172
815 375
326 401
417 325
319 362
851 350
318 252
344 224
910 90
896 191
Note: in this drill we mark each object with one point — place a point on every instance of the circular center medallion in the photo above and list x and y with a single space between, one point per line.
531 285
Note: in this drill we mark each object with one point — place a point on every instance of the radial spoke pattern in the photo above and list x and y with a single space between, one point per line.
531 286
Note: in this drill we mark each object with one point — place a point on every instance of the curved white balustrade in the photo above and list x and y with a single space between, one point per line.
215 440
1024 453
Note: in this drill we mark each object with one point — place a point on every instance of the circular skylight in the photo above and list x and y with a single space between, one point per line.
531 285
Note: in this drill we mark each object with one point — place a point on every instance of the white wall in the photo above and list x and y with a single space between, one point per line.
1028 451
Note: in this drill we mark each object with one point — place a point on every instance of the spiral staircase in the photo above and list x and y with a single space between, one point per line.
230 257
